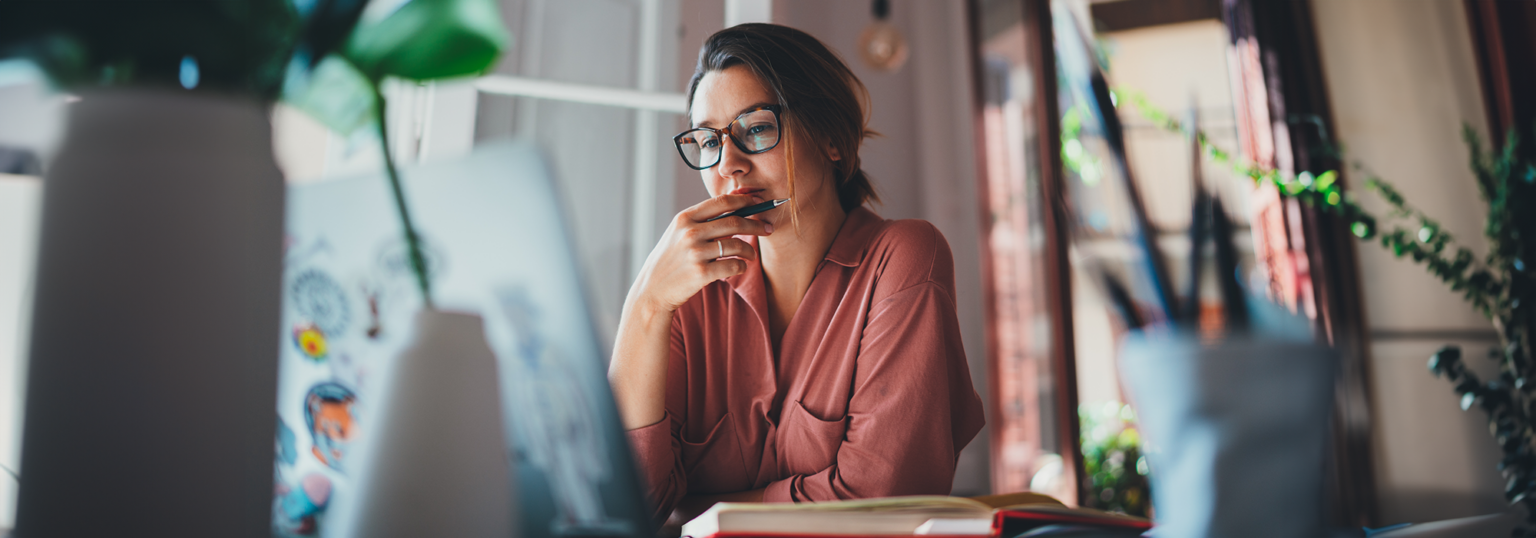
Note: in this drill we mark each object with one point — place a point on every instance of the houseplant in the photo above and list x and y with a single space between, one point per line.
152 372
165 206
1498 284
420 474
1112 459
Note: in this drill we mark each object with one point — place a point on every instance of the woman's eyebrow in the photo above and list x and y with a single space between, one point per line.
759 104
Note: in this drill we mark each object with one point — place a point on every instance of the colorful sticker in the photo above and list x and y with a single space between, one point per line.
287 450
310 341
375 322
319 298
329 412
297 507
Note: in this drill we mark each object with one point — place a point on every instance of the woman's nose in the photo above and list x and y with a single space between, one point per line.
733 161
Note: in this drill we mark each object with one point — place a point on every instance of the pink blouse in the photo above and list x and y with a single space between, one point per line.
870 395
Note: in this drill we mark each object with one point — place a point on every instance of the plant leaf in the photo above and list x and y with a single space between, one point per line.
429 39
335 93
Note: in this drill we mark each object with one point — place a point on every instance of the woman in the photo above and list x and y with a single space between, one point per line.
807 353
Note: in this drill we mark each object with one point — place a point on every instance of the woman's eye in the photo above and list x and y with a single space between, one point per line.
760 128
710 143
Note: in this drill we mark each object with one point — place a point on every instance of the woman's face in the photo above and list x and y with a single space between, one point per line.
721 97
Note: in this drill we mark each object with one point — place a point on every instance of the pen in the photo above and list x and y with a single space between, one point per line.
751 209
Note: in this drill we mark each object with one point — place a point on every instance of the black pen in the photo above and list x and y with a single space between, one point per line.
751 209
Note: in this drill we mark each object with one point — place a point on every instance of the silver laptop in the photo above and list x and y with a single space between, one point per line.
497 245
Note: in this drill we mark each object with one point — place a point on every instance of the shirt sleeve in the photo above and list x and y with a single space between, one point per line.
657 449
913 405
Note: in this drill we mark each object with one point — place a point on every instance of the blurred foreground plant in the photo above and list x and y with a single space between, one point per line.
413 40
1117 472
243 47
1499 284
328 58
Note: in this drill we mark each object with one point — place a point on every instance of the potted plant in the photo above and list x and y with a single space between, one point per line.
151 370
155 328
418 474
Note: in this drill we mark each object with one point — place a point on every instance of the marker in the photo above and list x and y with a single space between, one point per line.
751 209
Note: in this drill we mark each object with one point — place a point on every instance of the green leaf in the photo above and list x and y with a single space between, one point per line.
1327 179
1363 229
429 39
336 94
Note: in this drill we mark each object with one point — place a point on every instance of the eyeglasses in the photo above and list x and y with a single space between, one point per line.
753 132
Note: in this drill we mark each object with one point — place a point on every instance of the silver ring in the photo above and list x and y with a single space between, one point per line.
722 248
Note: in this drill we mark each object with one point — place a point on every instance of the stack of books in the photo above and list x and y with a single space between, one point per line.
1020 515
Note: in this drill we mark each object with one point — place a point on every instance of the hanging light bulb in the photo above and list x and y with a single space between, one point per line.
881 45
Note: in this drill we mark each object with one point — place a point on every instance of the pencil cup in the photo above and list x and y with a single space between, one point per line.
1236 431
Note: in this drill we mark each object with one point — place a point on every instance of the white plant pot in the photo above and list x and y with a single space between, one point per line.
151 388
435 460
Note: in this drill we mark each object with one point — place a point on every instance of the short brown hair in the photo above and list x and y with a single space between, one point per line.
816 89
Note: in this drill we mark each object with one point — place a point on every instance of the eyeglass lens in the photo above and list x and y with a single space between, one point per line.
754 132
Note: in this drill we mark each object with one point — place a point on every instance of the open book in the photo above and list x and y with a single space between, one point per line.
904 516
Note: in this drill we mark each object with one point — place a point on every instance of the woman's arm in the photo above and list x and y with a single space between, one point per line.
691 254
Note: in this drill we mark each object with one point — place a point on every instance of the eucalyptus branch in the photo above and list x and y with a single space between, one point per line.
1427 243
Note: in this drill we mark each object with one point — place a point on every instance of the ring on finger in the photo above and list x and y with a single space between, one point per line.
722 248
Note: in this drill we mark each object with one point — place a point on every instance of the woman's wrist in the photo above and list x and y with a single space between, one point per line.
645 320
646 311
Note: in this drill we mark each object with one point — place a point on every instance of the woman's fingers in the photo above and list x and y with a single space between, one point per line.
727 227
724 268
694 253
719 205
726 247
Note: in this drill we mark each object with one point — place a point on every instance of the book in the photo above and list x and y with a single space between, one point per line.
1006 515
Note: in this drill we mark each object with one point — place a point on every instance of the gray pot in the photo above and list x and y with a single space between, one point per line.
151 390
1236 430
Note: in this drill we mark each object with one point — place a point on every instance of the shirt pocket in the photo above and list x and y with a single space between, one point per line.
808 444
714 464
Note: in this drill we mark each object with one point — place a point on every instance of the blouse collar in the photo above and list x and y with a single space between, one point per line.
848 247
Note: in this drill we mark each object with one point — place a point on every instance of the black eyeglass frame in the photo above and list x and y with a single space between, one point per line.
778 119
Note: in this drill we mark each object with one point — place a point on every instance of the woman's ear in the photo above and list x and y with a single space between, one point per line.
833 153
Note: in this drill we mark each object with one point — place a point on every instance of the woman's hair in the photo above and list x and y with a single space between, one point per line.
815 88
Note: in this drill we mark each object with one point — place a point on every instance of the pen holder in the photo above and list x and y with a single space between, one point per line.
1236 430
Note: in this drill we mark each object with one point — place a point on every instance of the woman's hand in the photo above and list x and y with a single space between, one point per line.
692 253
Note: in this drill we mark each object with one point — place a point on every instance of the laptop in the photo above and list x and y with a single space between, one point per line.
496 245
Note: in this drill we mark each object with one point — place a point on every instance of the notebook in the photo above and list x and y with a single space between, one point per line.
902 516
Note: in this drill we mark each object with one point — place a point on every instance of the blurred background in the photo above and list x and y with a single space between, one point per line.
978 140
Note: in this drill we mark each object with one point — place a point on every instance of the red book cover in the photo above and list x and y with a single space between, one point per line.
1014 522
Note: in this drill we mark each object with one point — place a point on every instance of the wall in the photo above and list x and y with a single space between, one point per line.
1402 80
923 165
591 149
